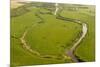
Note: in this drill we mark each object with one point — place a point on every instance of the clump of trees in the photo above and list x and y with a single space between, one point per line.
19 11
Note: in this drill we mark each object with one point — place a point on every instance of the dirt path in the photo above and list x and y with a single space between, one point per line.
56 6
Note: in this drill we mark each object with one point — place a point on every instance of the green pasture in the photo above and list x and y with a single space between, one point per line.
49 35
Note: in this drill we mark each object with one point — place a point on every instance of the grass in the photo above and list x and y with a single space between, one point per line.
20 23
51 36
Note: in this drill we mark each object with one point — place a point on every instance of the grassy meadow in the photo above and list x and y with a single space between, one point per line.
49 36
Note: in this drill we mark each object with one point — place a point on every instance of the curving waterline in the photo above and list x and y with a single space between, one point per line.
71 51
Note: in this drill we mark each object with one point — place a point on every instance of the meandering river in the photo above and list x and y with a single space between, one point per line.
83 34
76 44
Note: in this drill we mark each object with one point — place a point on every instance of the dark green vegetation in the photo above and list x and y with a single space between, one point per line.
49 35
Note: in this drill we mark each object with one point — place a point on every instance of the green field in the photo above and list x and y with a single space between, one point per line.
40 37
